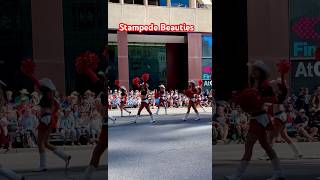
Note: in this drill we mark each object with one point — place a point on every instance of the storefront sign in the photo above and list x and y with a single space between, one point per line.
304 28
305 73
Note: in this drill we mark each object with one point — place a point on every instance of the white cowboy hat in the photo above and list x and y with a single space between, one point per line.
162 86
35 93
3 84
46 82
124 88
262 66
24 91
75 93
193 82
88 92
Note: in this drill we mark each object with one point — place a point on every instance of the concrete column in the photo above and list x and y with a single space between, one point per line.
145 2
193 3
121 1
123 61
194 56
48 41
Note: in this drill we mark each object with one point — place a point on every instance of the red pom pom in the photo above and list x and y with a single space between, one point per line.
27 67
145 77
87 63
317 54
200 82
117 83
250 100
136 81
87 60
284 66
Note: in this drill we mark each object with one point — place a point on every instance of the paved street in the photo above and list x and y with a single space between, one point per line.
226 158
169 149
26 160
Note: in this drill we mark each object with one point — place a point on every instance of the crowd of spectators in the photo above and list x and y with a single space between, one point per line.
230 122
79 122
174 98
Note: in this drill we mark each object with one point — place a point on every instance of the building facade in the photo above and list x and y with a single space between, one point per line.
171 58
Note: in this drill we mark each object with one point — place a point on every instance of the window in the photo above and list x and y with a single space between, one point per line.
154 2
180 3
114 1
207 61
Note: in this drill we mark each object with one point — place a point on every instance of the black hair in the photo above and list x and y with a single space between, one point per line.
263 77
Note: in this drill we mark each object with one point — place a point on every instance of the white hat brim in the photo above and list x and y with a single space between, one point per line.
46 82
3 84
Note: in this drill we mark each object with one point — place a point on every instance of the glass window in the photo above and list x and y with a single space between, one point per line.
148 58
207 61
154 2
114 1
112 64
163 2
180 3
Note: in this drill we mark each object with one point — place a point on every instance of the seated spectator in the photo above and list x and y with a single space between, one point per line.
301 123
4 137
67 125
220 122
29 123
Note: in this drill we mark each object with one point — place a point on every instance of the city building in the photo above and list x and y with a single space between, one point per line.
53 34
171 58
266 30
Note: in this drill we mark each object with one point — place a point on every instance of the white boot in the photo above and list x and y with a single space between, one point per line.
88 172
277 171
10 174
136 118
185 117
240 171
297 154
165 109
157 113
152 119
43 162
63 156
198 117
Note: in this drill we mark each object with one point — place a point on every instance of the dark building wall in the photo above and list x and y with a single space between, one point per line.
85 28
15 40
177 65
230 48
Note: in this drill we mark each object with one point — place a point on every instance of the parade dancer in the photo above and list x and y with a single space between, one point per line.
191 93
49 109
144 99
102 145
123 101
254 101
280 119
162 95
5 172
199 98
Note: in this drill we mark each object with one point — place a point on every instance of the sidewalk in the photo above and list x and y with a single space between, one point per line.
145 115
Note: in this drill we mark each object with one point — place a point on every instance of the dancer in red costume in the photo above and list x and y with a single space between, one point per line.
144 102
199 95
5 172
254 101
192 94
280 118
102 144
49 108
162 95
123 101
